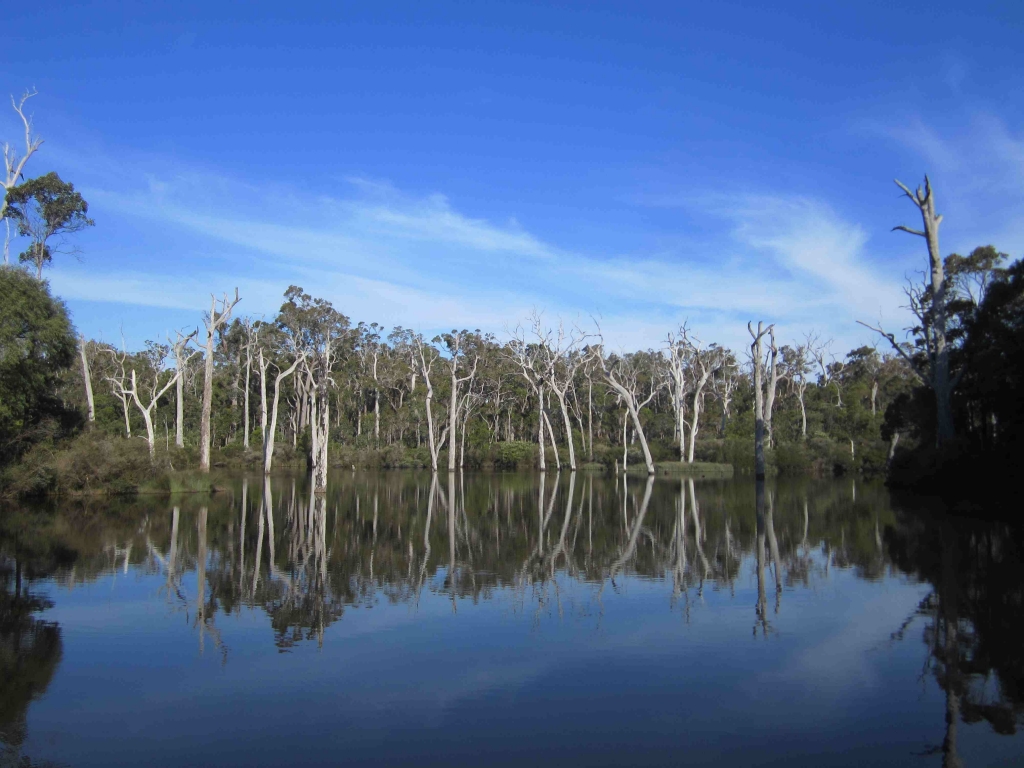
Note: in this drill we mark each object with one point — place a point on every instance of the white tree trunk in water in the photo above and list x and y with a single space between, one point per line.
560 396
554 447
262 363
633 405
179 346
268 443
540 427
757 360
625 442
678 351
90 404
427 356
320 428
212 324
590 417
453 409
245 418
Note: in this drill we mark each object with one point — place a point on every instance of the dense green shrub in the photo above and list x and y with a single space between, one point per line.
516 455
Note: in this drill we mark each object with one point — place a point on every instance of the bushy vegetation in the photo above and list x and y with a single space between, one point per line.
868 413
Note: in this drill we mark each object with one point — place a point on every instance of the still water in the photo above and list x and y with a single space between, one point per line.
509 620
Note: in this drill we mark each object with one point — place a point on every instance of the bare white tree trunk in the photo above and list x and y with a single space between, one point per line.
554 447
540 427
560 396
268 442
625 442
87 378
214 321
245 418
623 379
179 346
434 441
147 410
321 428
14 166
759 461
262 363
590 417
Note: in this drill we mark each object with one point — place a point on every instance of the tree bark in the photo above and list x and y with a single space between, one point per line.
245 422
90 403
268 443
939 353
633 406
560 396
214 322
759 423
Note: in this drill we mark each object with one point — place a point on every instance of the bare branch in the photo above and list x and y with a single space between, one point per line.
903 228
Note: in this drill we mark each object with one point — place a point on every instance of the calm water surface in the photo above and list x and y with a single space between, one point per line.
509 620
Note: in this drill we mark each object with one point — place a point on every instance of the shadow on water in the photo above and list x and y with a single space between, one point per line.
553 545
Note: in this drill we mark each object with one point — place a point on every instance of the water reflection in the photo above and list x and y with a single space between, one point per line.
549 546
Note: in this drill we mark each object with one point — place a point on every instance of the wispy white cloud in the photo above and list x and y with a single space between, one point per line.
977 169
381 254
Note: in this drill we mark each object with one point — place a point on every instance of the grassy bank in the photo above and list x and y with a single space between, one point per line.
94 462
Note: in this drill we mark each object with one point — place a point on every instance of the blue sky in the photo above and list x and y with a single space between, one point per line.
459 164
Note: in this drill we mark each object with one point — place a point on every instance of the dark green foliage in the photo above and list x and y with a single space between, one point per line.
515 455
37 344
45 208
988 320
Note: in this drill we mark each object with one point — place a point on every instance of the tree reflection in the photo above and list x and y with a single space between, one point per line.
553 543
30 652
971 617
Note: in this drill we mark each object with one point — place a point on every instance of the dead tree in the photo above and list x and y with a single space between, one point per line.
622 375
320 353
118 379
155 358
182 354
821 353
527 357
557 356
704 363
930 305
679 382
271 430
428 355
213 321
456 341
764 392
251 342
87 378
14 165
798 365
723 385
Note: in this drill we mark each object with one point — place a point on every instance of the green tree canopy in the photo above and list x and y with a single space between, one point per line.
45 208
37 343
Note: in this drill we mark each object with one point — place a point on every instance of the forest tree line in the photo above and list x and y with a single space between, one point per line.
310 384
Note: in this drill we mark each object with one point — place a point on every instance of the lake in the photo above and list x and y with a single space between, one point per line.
509 619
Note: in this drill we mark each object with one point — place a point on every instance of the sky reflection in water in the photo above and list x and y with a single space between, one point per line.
499 619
